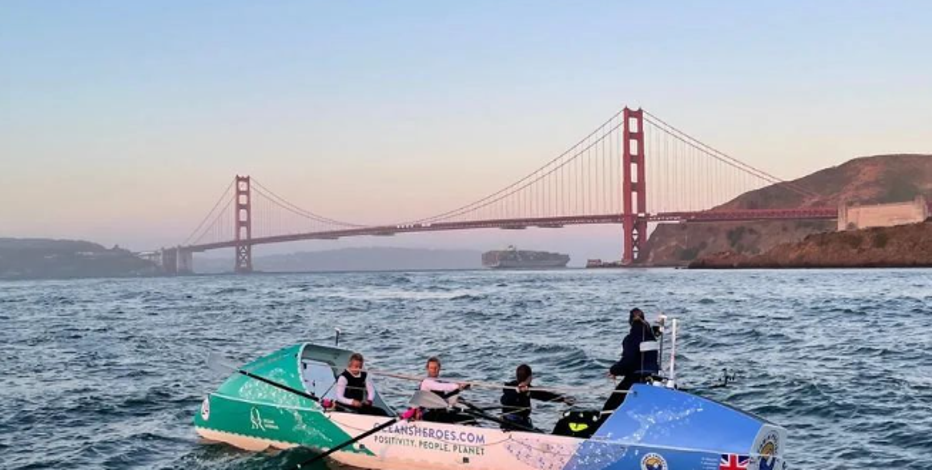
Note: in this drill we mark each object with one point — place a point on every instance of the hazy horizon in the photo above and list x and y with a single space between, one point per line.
123 122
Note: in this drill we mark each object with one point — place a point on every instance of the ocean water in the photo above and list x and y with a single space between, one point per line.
108 373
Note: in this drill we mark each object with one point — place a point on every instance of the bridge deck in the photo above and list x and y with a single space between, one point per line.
541 222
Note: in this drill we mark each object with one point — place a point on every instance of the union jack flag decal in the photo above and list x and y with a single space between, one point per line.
734 462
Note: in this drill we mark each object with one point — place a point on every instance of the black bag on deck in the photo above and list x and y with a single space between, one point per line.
581 424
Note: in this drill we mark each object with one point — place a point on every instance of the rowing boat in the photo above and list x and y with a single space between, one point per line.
275 402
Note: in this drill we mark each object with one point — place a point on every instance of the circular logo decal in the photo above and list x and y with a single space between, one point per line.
767 452
653 461
205 409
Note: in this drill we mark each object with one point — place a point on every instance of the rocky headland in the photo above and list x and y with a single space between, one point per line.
867 180
879 247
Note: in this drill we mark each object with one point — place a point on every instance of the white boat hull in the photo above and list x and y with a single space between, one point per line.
424 445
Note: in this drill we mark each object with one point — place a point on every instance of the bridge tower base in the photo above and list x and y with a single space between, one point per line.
184 263
634 186
243 225
168 261
175 260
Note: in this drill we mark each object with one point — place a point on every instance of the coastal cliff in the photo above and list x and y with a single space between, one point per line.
887 247
866 180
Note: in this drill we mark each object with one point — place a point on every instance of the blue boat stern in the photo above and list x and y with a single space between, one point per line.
658 428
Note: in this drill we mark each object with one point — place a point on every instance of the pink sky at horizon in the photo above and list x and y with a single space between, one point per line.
125 138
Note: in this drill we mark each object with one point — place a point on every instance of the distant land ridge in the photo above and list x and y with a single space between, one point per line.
353 259
42 258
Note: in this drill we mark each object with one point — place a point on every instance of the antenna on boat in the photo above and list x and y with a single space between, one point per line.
337 342
661 324
672 382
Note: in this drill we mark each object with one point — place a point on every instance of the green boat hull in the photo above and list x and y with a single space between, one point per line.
255 415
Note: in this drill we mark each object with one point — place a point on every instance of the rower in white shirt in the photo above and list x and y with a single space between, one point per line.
446 390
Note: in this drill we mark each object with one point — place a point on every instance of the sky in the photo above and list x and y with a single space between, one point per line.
121 122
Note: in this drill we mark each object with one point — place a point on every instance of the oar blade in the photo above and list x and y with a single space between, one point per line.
428 400
219 363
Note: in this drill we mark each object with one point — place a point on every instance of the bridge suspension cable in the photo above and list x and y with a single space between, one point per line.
541 172
555 187
586 184
271 215
297 210
683 174
722 156
225 194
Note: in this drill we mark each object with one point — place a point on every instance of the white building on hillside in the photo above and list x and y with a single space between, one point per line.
882 215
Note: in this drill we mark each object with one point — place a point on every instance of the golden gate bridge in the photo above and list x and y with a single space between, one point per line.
631 170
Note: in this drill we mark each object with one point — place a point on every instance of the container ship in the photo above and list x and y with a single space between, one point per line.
597 263
513 258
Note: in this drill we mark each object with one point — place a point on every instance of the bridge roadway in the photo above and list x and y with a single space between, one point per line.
541 222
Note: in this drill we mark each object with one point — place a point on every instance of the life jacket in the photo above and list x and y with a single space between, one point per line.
355 386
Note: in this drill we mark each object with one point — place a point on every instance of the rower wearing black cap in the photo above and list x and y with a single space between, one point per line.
636 363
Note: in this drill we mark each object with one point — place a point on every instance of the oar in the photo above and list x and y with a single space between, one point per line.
221 364
420 399
479 412
434 401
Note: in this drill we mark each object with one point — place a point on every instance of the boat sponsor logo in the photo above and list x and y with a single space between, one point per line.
767 451
205 409
435 439
465 437
255 419
260 423
653 461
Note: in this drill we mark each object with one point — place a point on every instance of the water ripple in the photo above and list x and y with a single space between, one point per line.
108 373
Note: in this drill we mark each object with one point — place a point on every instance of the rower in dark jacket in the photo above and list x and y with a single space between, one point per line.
635 365
516 400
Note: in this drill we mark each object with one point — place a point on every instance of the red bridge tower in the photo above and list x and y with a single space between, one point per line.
634 185
243 225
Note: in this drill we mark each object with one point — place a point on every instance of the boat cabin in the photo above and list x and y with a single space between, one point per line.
321 366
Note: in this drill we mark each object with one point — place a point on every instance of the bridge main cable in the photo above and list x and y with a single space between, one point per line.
297 210
223 196
477 204
722 156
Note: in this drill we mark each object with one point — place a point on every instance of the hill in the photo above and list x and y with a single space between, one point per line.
866 180
876 179
888 247
40 258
